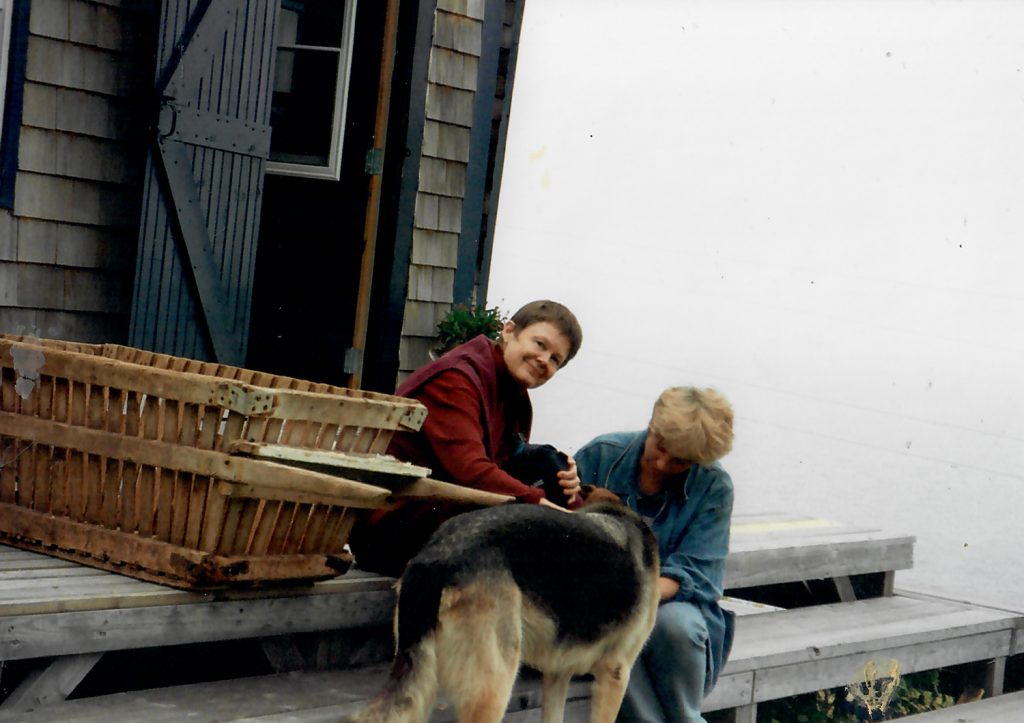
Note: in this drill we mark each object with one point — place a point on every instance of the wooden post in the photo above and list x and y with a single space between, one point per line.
380 133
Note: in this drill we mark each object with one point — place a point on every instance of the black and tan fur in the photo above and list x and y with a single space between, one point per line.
563 593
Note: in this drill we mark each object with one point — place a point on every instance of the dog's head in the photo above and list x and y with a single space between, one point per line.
538 465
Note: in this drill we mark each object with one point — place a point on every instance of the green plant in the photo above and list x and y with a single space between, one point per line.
463 323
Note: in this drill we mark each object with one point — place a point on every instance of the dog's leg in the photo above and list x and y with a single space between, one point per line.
478 647
611 675
556 687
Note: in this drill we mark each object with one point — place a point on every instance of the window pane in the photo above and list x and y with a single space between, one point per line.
311 22
302 114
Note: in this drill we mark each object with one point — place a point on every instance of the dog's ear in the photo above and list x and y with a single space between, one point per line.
592 494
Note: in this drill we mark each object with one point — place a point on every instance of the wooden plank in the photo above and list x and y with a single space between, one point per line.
52 682
73 632
436 489
31 576
847 554
375 469
815 633
152 559
338 407
22 566
732 690
1004 708
782 681
162 455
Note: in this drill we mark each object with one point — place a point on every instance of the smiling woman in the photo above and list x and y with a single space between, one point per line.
478 414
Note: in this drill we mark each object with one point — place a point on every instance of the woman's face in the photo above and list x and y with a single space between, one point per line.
534 353
658 462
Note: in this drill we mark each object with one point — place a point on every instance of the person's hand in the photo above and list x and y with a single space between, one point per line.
570 481
667 588
544 502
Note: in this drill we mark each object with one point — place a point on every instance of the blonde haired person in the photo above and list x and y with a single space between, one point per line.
669 474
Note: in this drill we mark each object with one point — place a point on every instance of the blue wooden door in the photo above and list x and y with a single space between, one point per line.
204 179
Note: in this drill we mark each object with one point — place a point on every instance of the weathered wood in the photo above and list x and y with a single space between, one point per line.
1004 708
449 105
453 69
776 555
329 404
50 682
436 489
442 177
380 469
208 463
808 649
145 624
159 561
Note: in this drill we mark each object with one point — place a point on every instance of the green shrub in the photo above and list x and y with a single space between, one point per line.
463 323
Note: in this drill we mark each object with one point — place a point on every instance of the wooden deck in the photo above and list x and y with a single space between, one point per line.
49 607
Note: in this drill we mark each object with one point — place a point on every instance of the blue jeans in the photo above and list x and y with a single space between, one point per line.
667 682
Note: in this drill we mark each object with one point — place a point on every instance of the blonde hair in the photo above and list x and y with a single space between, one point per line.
694 424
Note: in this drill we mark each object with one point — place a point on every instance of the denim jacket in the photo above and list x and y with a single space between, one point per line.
691 524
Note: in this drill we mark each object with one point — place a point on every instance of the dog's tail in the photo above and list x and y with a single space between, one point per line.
411 687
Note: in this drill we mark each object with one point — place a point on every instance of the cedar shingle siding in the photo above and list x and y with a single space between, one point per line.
67 248
453 79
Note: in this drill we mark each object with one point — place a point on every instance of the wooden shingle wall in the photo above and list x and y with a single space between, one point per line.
451 87
67 249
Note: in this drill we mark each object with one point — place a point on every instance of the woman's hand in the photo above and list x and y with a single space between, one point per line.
570 481
544 502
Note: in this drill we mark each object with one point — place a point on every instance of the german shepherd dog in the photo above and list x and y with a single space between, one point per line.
565 593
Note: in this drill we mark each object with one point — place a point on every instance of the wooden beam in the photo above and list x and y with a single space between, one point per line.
51 682
373 203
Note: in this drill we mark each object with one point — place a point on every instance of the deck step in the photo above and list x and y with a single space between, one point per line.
776 654
779 654
311 697
1006 708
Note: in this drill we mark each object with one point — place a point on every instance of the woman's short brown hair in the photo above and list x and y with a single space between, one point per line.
694 424
554 313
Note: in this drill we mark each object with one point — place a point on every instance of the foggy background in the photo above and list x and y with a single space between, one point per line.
816 208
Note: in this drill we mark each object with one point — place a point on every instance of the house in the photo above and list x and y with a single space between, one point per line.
303 187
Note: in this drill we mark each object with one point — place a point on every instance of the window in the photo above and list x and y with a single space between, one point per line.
314 57
13 38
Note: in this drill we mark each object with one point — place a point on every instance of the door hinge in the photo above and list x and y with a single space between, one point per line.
353 363
374 165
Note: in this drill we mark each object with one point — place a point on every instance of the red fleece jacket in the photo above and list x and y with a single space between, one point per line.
474 412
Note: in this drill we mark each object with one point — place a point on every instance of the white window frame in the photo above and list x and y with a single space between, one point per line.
333 168
6 11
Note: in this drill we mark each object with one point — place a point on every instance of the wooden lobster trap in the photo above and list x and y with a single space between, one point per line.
169 469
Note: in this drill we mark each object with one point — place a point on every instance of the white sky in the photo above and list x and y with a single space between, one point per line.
816 207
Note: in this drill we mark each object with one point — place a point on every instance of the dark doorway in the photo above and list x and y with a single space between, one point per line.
311 239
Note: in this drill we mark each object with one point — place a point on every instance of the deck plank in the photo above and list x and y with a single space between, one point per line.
1006 708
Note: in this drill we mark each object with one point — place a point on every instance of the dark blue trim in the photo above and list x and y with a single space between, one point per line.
400 183
479 156
15 99
498 158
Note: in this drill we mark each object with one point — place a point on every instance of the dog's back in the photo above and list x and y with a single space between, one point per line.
565 593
